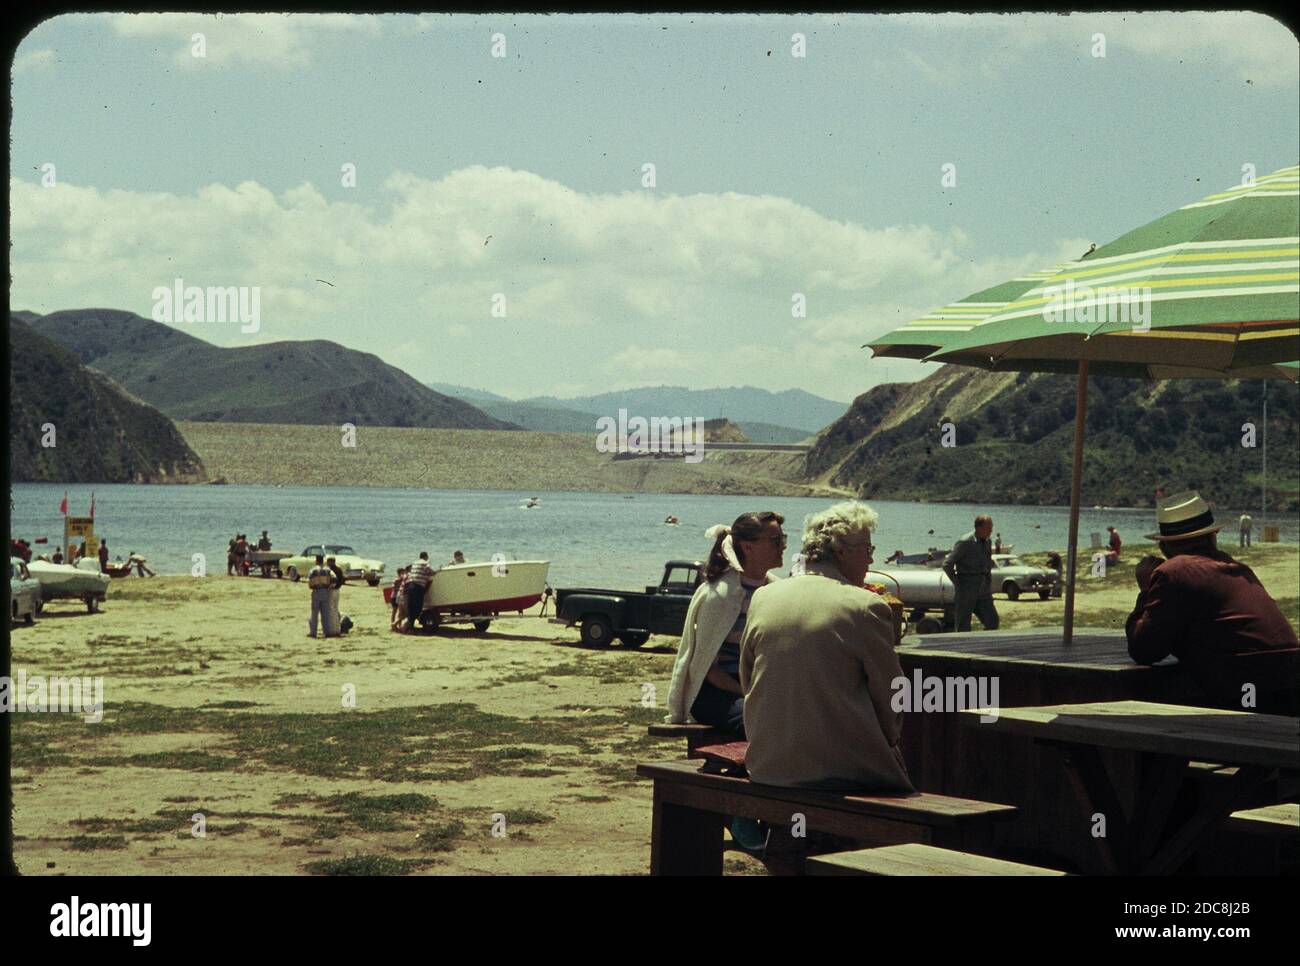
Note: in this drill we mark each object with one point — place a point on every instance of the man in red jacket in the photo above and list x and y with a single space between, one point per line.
1211 612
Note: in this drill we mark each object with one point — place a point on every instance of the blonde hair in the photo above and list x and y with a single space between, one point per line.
829 530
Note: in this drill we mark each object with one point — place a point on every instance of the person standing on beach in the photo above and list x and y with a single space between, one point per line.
103 557
337 579
1244 526
969 566
319 581
265 544
241 555
398 600
418 579
230 556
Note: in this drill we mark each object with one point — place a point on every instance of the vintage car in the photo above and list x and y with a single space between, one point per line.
24 592
354 566
1014 577
631 615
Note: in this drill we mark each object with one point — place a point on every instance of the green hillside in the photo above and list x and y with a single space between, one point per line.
314 382
1014 433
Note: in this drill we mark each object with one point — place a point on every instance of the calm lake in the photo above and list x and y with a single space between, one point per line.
604 539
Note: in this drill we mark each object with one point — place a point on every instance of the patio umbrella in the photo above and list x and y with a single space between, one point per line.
1210 290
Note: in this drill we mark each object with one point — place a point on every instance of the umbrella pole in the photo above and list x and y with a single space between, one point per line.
1076 485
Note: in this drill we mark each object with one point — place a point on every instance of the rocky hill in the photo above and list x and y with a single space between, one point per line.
101 433
1014 431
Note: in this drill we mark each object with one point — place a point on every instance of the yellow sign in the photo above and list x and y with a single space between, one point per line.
92 546
78 526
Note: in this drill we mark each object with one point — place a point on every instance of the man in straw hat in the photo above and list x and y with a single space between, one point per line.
1209 611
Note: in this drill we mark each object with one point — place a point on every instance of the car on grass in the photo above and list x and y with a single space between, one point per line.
350 562
1014 577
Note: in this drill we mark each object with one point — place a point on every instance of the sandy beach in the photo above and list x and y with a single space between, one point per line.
218 704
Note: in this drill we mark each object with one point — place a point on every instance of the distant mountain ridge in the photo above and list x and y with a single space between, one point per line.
742 406
101 433
311 382
795 408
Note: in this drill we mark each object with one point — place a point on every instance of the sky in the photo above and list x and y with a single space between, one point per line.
468 196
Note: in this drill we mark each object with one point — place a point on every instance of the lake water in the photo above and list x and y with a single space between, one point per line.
602 539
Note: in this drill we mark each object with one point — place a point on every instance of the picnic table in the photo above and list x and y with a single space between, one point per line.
1032 667
1148 834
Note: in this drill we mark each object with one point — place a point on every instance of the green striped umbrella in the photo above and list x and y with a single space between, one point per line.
1211 288
934 330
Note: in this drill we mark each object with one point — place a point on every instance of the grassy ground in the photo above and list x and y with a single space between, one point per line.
476 459
232 743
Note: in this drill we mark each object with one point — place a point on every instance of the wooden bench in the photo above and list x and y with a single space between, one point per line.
691 805
914 858
1274 821
695 735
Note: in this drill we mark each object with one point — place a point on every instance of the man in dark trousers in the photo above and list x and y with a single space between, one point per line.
1212 613
969 567
103 557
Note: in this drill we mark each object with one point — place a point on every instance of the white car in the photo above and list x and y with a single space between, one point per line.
354 566
1014 577
24 592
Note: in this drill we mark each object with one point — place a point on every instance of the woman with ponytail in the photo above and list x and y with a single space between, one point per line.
706 675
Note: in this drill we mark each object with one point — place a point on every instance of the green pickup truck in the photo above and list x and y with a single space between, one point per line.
631 616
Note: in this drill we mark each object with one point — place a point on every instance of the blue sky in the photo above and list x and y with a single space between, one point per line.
775 174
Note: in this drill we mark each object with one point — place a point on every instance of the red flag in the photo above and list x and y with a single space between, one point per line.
92 505
63 507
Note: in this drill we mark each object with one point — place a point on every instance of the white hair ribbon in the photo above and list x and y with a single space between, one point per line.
728 548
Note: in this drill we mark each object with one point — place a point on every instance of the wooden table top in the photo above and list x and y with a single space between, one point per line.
1093 648
1202 734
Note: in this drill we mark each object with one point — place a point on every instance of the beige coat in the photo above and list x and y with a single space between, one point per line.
817 664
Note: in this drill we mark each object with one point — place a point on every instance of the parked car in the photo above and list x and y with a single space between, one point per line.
24 592
354 566
1014 577
631 616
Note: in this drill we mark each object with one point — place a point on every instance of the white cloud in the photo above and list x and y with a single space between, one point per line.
1256 46
279 41
605 287
29 60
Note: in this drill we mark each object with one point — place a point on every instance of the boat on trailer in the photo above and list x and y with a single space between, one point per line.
477 592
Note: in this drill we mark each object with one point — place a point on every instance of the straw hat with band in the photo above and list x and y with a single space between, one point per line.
1182 517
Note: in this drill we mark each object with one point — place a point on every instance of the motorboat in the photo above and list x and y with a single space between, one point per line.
477 592
81 582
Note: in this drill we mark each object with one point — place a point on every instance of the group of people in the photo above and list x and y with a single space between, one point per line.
803 668
136 561
238 552
410 588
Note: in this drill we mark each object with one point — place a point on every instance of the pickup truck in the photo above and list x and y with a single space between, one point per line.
631 616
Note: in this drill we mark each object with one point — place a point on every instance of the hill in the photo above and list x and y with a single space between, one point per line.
1014 433
102 434
313 382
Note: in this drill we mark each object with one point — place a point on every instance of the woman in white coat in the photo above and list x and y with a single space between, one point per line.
706 676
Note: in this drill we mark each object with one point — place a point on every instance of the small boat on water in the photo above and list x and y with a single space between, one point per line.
83 582
477 592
